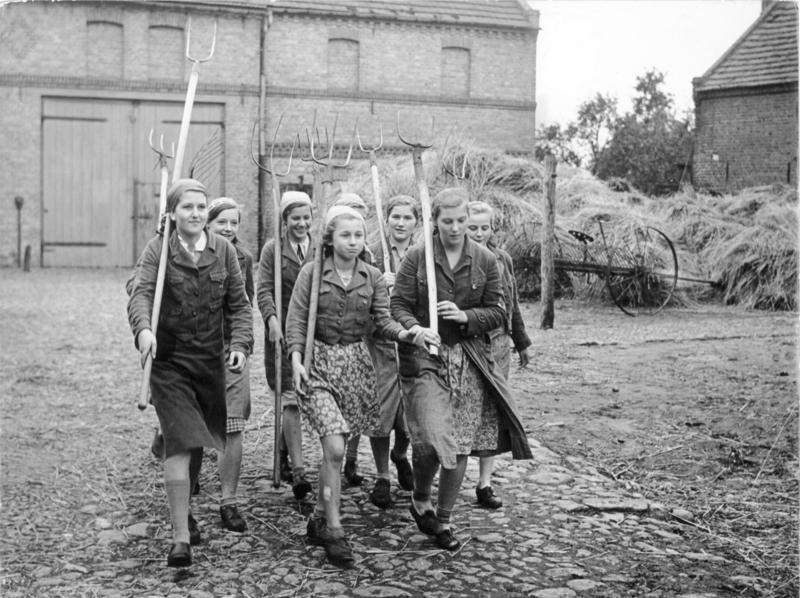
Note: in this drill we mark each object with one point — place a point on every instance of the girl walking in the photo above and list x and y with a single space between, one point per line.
401 220
203 289
224 218
456 404
480 229
338 396
295 248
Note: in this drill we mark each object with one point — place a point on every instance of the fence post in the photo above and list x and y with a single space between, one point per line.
18 203
548 243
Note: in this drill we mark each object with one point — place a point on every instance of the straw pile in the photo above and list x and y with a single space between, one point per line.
747 243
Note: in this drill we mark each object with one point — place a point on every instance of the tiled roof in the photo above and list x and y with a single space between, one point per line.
765 54
514 14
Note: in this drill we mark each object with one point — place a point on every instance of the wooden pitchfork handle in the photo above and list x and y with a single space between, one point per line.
183 136
278 282
144 392
376 193
427 233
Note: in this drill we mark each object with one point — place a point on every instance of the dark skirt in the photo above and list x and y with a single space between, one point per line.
188 393
384 358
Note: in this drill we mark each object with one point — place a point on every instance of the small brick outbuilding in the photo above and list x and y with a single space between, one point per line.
746 107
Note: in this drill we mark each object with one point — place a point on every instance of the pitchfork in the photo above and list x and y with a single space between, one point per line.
278 281
458 173
417 148
183 135
376 192
327 185
161 163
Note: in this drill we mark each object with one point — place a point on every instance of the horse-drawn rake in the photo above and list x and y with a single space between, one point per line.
638 263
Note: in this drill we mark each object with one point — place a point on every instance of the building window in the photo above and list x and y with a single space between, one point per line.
165 45
455 72
104 52
343 56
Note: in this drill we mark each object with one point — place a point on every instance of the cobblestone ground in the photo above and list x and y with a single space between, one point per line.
84 512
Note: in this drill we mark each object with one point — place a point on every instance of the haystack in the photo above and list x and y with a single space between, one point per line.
746 244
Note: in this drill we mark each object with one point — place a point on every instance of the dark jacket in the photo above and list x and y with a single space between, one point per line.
265 296
200 301
344 316
474 285
246 266
515 325
290 268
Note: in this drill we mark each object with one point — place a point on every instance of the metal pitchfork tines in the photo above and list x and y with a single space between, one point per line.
458 173
190 92
417 148
160 151
191 58
330 142
376 192
277 280
327 185
270 166
161 164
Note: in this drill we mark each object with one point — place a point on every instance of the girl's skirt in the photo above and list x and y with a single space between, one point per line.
501 350
384 358
188 393
341 394
452 412
237 398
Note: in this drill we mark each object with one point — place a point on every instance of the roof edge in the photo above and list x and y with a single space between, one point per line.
530 15
761 17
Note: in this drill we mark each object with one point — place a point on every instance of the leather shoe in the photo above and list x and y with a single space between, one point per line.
381 496
446 540
315 531
487 498
231 519
353 479
427 523
338 550
301 487
405 475
284 468
180 555
194 531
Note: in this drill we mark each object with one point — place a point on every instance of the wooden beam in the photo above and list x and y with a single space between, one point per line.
548 243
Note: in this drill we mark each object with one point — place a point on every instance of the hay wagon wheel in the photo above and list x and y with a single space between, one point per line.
642 274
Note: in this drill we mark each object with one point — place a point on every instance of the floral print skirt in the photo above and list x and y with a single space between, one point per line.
474 412
341 396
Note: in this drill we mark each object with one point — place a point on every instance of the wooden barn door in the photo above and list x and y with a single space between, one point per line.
86 161
100 182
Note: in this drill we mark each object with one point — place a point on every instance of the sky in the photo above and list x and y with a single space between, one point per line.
586 46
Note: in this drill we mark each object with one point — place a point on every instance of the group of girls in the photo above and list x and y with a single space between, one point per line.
373 369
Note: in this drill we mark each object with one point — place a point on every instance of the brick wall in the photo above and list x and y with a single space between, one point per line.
46 53
745 140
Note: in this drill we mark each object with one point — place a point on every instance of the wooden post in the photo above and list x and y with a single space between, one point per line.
548 243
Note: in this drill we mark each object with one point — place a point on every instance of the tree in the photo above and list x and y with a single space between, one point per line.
649 146
651 102
552 139
595 123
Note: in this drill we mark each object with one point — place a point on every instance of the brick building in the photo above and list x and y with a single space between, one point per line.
746 107
82 82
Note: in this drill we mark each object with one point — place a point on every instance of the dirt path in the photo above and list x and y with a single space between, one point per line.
665 465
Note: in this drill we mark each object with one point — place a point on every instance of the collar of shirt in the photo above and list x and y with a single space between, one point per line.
199 246
360 274
396 252
304 246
